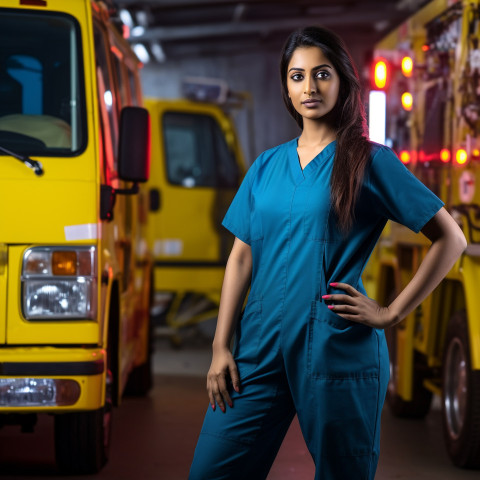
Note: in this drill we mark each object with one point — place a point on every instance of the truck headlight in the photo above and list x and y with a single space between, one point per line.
59 283
38 392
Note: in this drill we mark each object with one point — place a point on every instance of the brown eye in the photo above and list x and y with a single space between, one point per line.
323 74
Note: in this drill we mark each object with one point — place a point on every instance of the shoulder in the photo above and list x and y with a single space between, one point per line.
273 153
383 160
379 151
269 158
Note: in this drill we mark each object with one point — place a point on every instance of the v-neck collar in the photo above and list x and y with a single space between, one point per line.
300 174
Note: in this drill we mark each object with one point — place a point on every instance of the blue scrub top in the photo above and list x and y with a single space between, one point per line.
285 214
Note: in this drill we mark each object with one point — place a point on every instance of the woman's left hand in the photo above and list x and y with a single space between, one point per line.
357 307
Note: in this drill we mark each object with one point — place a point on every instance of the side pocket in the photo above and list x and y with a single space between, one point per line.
338 348
344 366
247 337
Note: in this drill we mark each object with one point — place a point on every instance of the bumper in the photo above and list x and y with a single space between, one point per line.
49 379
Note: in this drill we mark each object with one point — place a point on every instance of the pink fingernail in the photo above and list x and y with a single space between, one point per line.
334 284
331 307
213 406
325 296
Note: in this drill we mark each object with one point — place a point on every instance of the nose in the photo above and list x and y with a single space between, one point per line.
310 87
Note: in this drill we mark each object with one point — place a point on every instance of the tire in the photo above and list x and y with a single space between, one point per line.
419 406
82 439
460 396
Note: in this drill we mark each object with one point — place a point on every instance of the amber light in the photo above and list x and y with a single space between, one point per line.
64 263
476 153
407 101
380 74
405 157
425 48
407 66
461 156
445 155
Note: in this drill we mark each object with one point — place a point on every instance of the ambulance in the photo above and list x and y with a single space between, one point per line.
425 104
75 269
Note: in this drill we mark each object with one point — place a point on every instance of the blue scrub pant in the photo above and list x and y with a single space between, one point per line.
331 372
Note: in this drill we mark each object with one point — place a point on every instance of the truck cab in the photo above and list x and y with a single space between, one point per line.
75 270
196 169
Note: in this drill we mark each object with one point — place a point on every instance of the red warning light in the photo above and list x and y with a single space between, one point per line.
445 155
405 156
380 74
407 101
461 156
407 66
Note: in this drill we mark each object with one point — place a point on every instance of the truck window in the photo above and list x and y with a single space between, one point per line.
196 152
42 102
122 86
107 95
133 87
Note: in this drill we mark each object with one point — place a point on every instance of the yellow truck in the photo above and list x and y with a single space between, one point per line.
427 88
75 270
196 168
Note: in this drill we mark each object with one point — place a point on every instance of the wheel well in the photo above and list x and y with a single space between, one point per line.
113 339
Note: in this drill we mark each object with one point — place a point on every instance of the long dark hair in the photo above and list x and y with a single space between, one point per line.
353 149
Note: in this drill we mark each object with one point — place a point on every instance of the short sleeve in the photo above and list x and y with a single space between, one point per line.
237 218
398 194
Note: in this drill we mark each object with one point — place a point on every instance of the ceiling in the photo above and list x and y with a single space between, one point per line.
186 28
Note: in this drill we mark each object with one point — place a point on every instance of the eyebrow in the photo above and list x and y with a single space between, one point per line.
314 68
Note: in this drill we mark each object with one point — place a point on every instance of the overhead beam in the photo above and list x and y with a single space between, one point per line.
206 3
248 28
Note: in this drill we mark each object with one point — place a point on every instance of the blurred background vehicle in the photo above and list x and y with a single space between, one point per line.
424 104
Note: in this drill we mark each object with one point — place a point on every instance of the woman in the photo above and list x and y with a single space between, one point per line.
306 219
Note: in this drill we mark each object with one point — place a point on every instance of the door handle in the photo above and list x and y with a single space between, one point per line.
155 200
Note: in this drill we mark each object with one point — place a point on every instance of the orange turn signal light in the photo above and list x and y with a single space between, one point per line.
64 263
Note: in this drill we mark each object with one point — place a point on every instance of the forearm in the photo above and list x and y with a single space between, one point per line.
235 286
438 261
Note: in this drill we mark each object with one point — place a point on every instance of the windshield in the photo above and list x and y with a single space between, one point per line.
42 107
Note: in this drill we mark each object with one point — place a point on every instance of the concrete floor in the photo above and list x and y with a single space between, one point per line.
154 437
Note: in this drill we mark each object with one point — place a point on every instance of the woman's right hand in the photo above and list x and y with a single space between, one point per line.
223 366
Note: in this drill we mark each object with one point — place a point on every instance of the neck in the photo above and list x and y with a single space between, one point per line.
316 133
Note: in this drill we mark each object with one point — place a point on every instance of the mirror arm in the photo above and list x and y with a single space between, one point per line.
108 197
134 189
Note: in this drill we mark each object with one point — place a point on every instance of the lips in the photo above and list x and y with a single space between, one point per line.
311 102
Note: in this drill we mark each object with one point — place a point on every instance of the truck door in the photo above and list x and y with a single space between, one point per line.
196 181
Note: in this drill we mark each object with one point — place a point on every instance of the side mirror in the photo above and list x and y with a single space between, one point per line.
134 145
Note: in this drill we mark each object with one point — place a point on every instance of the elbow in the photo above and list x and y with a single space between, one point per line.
462 242
458 242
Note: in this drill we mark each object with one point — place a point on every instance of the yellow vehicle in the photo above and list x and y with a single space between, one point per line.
75 270
428 70
196 169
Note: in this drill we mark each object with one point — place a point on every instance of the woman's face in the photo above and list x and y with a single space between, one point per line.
312 82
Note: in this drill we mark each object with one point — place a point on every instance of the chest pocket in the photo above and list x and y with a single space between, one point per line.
318 217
